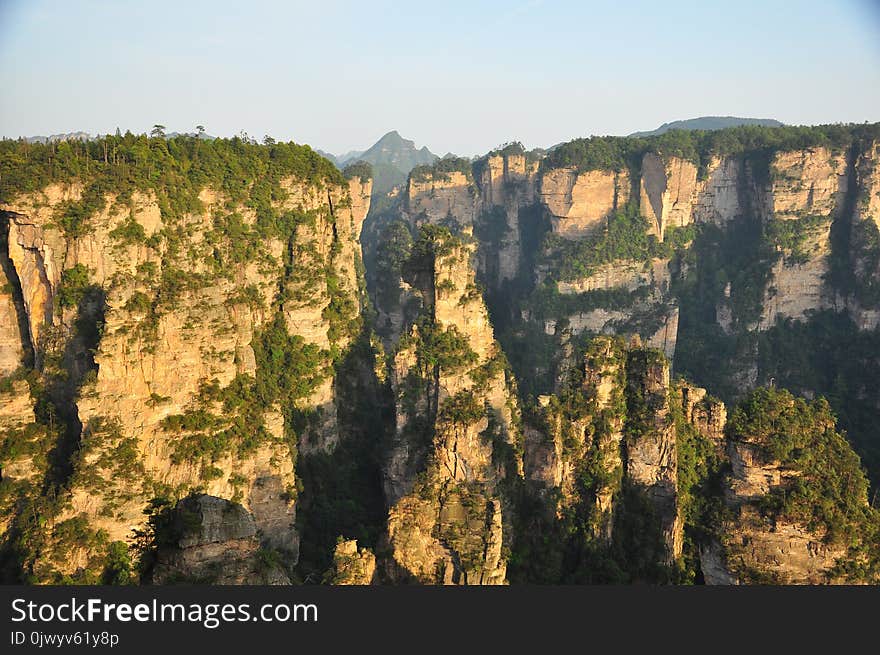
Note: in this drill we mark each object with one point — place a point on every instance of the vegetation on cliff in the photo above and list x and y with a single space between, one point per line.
829 490
441 169
176 169
588 402
697 146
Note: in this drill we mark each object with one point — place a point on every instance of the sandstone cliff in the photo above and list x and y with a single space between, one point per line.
776 528
579 202
214 541
184 332
187 312
456 438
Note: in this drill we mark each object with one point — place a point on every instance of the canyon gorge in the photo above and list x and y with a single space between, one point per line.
622 360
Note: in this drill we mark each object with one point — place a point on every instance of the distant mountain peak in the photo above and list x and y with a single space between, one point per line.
392 158
393 139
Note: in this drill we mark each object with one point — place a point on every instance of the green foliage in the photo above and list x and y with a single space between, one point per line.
547 303
491 227
698 146
118 570
605 153
444 349
341 313
623 237
678 237
701 470
461 409
360 169
73 216
288 368
27 441
74 284
828 491
166 522
434 243
567 545
863 250
138 303
829 355
129 233
441 169
176 169
790 235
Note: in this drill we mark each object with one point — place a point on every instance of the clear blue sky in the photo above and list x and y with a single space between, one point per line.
455 76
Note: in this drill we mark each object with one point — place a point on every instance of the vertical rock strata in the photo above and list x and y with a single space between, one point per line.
455 442
197 360
176 305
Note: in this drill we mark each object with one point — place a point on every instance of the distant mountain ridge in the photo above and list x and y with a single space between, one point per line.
85 136
392 158
709 123
57 138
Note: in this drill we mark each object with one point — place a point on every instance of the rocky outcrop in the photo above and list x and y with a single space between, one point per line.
593 424
579 201
11 351
177 309
446 523
435 197
215 542
22 459
668 192
806 187
352 566
772 552
622 274
508 186
762 539
489 198
656 322
707 414
809 181
865 226
867 169
651 460
718 199
14 331
799 287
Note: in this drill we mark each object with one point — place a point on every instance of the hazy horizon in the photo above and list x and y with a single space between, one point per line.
459 78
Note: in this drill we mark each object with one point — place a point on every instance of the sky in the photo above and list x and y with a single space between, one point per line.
459 77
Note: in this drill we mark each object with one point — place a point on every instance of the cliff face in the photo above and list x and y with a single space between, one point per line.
352 566
807 188
175 304
187 361
715 248
578 202
440 195
455 441
770 533
214 541
651 457
508 186
602 452
668 192
640 478
489 198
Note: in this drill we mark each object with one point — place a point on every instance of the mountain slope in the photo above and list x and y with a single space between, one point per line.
392 157
709 123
